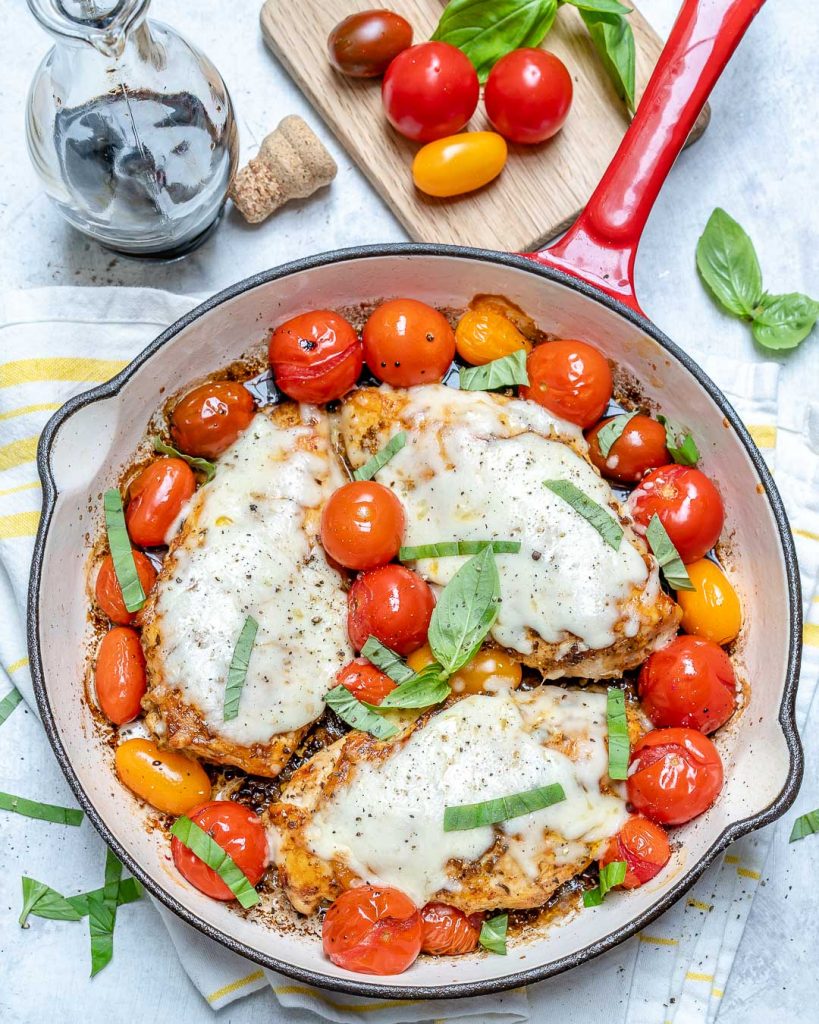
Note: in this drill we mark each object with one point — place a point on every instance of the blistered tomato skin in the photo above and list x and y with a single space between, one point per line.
640 448
316 357
688 505
362 525
391 603
483 335
208 419
108 592
239 832
712 610
447 931
363 45
167 780
364 681
644 846
407 342
674 775
528 95
155 499
459 163
689 683
571 379
489 671
372 930
119 675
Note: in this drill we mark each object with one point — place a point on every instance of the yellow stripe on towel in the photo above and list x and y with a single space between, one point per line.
16 664
303 990
747 873
657 940
24 410
809 534
18 452
19 524
234 986
810 634
24 371
763 434
694 976
20 487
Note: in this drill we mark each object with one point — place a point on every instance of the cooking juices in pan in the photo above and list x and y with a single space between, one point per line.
408 639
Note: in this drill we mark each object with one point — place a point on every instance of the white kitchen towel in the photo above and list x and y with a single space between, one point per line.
56 342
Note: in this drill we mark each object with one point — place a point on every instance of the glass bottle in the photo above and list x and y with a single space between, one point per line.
130 128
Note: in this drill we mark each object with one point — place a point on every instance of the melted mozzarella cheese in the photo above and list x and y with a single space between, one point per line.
473 469
387 823
248 553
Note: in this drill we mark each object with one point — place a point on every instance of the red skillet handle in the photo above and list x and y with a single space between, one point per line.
601 245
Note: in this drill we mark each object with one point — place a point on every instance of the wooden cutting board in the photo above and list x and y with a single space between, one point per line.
541 189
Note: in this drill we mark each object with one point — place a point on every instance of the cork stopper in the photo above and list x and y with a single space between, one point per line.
292 163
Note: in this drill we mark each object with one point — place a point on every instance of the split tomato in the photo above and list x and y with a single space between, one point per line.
372 930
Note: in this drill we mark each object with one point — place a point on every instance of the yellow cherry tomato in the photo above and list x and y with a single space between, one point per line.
459 163
712 610
169 781
489 671
482 336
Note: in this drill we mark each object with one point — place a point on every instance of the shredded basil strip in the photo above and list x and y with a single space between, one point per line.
203 465
102 915
451 548
506 372
42 900
386 660
493 934
612 431
380 459
121 552
465 612
502 808
238 668
9 703
425 688
685 451
358 714
129 891
805 825
671 565
208 850
44 812
619 745
598 517
611 874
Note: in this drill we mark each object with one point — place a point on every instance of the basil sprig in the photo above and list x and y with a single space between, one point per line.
386 660
43 812
427 687
121 551
612 431
597 516
465 612
728 264
502 808
506 372
203 465
680 444
619 745
357 714
451 548
493 934
805 825
372 466
9 703
611 874
208 850
671 565
237 670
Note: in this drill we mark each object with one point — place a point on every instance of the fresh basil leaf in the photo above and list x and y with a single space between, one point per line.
102 915
44 812
465 612
493 934
612 431
619 745
129 891
613 39
122 553
372 466
9 703
43 901
358 714
451 548
502 808
486 30
386 660
783 321
671 565
208 850
680 444
726 260
203 465
599 6
505 372
805 825
427 687
237 670
611 874
598 517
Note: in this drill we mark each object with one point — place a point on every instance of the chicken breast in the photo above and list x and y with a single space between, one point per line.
369 811
473 468
249 547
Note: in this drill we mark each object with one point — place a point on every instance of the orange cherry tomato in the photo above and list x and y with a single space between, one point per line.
208 420
571 379
640 448
372 930
362 525
447 931
459 163
674 775
483 335
108 592
489 671
119 675
407 342
712 610
316 357
365 681
391 603
155 499
689 683
644 847
239 832
167 780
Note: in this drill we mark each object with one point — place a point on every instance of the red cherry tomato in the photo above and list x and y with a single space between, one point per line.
362 525
528 95
407 342
447 931
363 44
119 675
674 775
239 832
208 419
571 379
688 505
392 604
316 357
643 846
365 681
429 91
155 499
108 592
372 931
689 683
638 449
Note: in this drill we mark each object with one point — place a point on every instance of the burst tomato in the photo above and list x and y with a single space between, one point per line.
365 681
119 675
447 931
372 930
408 342
674 775
155 499
391 603
640 448
483 335
108 592
571 379
208 419
528 95
644 847
687 504
316 357
362 525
